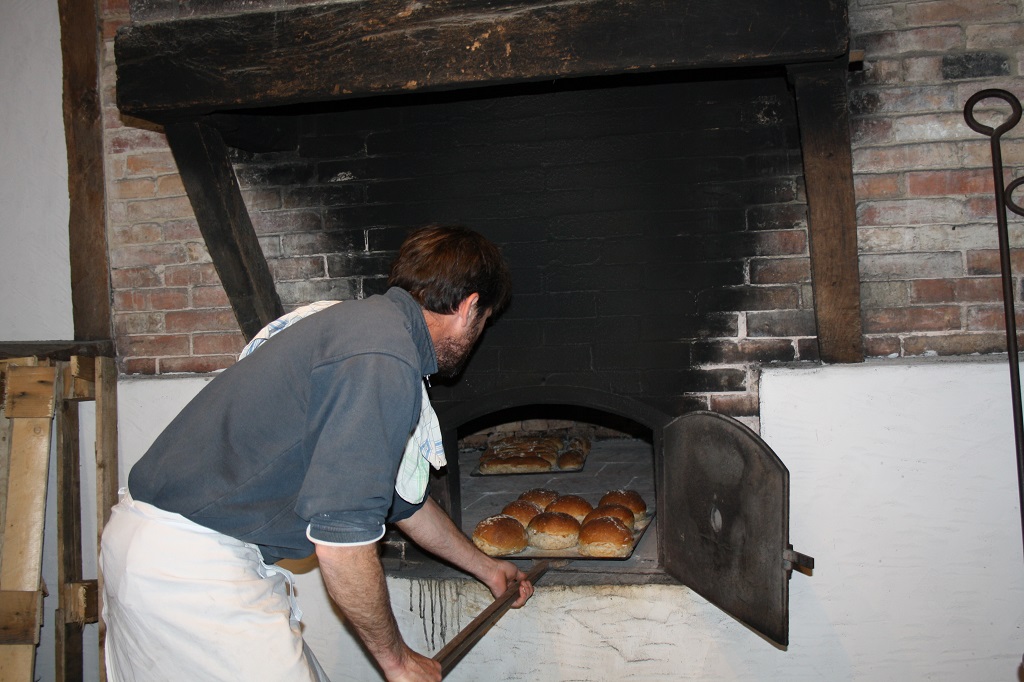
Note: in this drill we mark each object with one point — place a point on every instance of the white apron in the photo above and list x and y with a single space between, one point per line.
183 602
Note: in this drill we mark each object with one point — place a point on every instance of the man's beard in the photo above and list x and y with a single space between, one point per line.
452 354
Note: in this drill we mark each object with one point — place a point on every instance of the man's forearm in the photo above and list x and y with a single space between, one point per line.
433 530
355 580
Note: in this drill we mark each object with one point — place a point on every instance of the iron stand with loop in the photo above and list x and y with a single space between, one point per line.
1004 201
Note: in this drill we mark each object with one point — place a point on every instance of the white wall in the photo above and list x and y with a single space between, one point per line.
35 274
903 488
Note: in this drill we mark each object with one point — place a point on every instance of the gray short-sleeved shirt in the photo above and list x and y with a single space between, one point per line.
308 431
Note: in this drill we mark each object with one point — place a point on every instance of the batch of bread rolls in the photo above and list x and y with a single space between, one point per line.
545 520
520 454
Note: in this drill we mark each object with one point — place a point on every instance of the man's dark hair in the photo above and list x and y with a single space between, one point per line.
441 265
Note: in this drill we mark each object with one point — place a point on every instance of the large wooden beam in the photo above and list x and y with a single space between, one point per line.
55 350
823 113
212 187
83 130
333 50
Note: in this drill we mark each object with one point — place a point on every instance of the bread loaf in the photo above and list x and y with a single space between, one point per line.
500 535
629 499
541 497
553 530
616 511
521 464
605 537
522 511
574 505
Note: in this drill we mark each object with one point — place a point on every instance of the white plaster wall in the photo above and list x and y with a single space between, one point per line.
35 273
903 488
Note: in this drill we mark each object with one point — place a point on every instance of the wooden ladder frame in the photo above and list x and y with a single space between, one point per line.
40 395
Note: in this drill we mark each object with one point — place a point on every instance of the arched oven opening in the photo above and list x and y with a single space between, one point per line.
621 440
619 455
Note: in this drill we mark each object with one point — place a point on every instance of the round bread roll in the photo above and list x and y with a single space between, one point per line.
500 535
526 464
573 505
572 460
630 499
541 497
605 537
616 511
553 530
522 511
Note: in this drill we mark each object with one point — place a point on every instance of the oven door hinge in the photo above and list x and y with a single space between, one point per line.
795 560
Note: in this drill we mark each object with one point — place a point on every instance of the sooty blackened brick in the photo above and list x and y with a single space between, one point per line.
618 210
974 65
357 264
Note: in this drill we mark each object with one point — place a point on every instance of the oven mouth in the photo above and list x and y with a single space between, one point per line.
623 455
620 456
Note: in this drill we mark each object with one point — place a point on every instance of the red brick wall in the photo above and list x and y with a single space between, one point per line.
928 259
926 211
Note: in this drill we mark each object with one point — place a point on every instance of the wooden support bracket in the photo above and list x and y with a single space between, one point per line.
21 616
80 379
80 602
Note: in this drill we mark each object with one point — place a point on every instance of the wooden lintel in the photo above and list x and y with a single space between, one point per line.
21 615
334 50
212 188
56 350
823 113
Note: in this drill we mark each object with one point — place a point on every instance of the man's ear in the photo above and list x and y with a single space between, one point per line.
467 309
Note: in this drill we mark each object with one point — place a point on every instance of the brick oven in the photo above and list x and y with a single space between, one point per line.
671 186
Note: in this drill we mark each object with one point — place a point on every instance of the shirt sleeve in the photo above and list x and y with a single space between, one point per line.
361 413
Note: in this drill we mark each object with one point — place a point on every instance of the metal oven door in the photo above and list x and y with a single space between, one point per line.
723 520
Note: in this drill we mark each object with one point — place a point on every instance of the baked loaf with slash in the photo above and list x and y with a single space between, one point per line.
541 497
573 505
630 499
616 511
553 530
522 511
500 535
605 537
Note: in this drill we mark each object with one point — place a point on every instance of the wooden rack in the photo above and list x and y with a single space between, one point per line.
40 399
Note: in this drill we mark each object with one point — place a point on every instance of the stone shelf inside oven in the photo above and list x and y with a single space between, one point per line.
616 463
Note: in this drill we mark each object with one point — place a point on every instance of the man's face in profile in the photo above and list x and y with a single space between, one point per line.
453 351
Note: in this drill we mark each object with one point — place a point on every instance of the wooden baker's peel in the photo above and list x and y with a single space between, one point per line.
453 651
